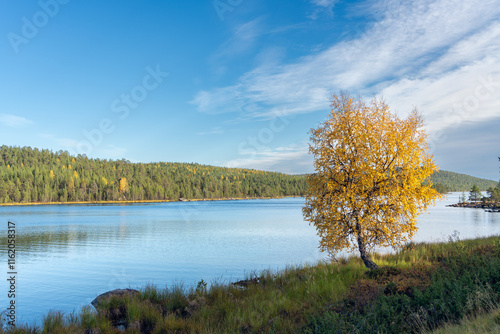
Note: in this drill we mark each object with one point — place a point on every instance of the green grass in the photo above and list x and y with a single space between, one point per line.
487 323
418 289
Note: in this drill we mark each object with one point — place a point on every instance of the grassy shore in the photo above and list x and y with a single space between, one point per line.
140 201
418 289
485 323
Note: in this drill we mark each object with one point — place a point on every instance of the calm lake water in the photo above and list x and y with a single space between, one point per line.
76 252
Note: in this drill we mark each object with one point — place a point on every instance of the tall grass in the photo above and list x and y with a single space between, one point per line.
485 323
425 286
417 289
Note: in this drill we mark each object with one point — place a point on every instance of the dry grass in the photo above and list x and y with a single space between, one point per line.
486 323
416 289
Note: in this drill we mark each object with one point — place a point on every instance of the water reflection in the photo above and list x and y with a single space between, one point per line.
494 218
43 230
69 254
477 217
45 241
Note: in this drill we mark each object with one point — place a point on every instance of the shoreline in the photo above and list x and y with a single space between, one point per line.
316 296
490 207
144 201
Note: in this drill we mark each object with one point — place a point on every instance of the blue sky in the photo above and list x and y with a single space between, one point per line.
239 83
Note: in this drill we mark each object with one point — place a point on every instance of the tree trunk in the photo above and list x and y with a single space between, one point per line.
364 254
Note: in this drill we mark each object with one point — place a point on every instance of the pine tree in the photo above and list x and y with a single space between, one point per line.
475 194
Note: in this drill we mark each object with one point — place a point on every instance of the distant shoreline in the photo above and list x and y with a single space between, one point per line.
144 201
489 206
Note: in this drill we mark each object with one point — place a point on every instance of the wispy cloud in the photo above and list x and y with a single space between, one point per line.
111 152
214 131
288 159
242 40
68 144
14 121
471 148
439 44
104 151
322 6
324 3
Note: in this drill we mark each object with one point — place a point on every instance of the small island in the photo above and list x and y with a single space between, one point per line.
490 202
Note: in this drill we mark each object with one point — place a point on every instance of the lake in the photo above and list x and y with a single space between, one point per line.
68 254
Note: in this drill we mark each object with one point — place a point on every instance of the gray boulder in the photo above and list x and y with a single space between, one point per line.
113 293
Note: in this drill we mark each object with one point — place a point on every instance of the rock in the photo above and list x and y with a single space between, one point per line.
113 293
117 315
245 283
195 304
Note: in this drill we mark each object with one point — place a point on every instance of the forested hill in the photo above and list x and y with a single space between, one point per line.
32 175
459 182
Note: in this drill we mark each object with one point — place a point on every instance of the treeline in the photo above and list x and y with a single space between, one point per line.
445 181
32 175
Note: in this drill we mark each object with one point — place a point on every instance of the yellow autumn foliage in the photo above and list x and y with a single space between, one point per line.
123 188
370 166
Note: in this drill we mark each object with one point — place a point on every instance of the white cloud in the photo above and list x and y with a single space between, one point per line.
221 100
291 159
74 147
415 54
110 152
469 93
471 148
441 56
324 3
67 144
214 131
459 87
243 38
322 6
14 121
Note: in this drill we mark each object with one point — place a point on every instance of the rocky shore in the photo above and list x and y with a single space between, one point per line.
489 207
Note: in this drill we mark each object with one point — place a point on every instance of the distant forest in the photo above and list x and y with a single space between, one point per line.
445 181
32 175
